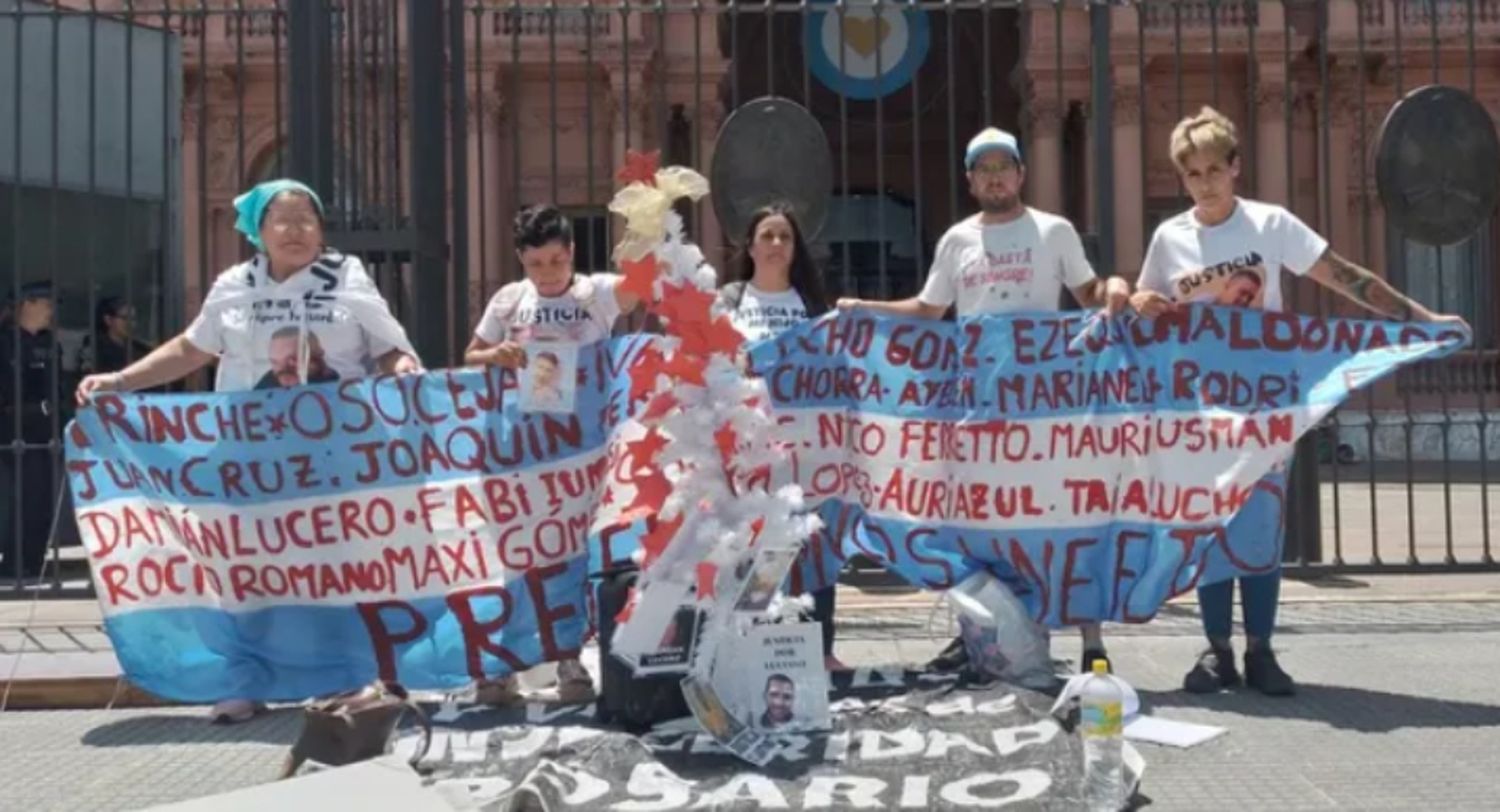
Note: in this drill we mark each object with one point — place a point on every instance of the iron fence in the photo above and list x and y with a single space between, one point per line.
126 128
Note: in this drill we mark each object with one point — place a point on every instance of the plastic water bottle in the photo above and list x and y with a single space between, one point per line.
1102 704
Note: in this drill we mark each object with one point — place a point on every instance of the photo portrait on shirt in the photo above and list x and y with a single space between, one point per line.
284 351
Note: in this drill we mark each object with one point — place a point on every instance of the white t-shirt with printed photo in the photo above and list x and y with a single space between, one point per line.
1006 268
1237 262
584 313
327 322
760 315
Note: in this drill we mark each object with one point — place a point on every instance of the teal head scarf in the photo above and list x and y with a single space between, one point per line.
252 206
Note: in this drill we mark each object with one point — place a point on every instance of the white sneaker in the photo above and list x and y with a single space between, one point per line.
574 685
499 693
234 711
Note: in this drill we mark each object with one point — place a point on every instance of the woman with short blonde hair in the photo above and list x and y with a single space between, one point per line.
1230 251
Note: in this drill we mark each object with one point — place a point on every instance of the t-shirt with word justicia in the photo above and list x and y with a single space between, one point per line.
759 314
582 314
1237 262
1021 265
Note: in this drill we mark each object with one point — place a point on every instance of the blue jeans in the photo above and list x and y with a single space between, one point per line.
1260 526
1259 595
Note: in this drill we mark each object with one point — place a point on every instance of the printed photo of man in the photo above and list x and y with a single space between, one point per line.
546 388
283 354
781 698
549 378
1242 289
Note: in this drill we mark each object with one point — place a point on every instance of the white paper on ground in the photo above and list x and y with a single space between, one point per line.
1169 731
1139 727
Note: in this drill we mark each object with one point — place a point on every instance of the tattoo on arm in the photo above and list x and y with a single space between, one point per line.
1367 289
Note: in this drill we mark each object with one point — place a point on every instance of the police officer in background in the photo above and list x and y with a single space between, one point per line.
31 386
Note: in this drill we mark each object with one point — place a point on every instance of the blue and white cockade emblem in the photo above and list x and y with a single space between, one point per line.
873 49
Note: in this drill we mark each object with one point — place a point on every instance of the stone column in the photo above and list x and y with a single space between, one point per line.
194 208
710 236
1271 142
1130 180
1044 164
1344 167
628 120
487 256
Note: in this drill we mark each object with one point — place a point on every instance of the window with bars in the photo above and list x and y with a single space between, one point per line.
591 239
1458 278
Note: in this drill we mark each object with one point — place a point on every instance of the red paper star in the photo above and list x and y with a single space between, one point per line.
707 339
727 440
639 167
659 407
707 573
657 538
694 339
644 450
684 304
640 277
651 491
644 371
686 368
722 337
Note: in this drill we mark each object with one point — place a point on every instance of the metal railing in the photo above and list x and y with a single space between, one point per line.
142 119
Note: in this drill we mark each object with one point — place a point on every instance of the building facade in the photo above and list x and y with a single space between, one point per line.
555 92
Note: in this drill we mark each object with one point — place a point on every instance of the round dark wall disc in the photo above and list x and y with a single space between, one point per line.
771 150
1436 168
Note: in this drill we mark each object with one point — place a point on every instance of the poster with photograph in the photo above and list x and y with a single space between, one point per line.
549 381
675 652
767 571
717 719
654 612
783 686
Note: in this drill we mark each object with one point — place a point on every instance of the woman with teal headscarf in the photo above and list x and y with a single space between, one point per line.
296 313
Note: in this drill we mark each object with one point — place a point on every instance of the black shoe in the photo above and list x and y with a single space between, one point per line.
1086 664
951 659
1264 674
1213 672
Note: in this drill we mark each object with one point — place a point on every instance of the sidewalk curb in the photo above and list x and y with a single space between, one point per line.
79 693
867 600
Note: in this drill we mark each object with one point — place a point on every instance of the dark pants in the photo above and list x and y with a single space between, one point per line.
1259 596
823 604
26 552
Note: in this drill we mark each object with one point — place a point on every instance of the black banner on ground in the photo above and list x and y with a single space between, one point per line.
899 741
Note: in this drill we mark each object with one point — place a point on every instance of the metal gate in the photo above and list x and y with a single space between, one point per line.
126 128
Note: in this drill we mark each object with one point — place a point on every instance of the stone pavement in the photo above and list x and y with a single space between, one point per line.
1400 709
